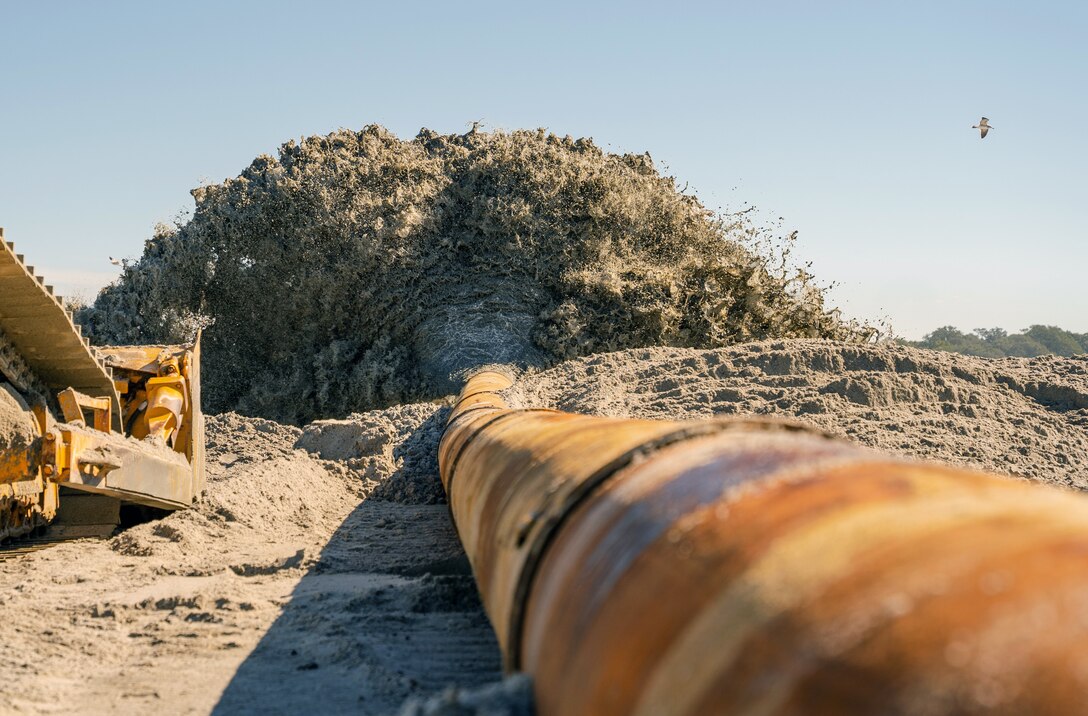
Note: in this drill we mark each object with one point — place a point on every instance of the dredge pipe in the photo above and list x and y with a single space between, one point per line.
753 567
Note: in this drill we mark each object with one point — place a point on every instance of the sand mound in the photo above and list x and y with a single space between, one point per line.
269 482
1023 417
394 450
357 270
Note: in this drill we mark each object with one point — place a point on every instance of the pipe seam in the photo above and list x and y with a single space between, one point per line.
550 525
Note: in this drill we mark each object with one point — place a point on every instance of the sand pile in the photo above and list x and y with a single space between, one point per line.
357 270
1023 417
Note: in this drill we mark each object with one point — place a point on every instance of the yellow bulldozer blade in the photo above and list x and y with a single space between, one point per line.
123 423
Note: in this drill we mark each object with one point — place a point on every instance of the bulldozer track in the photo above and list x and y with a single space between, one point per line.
16 370
52 536
40 336
17 548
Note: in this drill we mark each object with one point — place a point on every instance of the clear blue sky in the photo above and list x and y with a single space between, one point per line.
850 120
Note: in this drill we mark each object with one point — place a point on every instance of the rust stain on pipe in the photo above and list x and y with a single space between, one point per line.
661 567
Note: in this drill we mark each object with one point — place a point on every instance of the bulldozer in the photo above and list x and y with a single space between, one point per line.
88 433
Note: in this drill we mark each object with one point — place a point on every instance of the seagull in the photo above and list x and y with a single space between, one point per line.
115 262
983 126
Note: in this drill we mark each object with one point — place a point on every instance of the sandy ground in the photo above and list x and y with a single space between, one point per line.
321 571
285 589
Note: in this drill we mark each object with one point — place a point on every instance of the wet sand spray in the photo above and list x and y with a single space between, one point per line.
358 270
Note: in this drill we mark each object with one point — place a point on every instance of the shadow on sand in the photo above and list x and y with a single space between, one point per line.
389 610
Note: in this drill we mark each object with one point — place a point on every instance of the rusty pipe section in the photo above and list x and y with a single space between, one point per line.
743 567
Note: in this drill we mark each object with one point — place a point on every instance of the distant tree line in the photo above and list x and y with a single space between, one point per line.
998 343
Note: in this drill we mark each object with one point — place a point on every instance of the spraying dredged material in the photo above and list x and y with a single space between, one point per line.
357 270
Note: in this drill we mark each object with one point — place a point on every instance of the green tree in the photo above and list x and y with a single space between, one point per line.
950 338
991 335
1055 339
1019 345
997 343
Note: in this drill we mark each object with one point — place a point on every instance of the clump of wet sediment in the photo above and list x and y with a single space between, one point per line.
17 429
358 270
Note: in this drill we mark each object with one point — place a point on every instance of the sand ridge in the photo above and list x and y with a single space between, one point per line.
1014 416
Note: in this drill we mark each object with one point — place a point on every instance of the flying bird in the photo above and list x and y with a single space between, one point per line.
983 126
115 262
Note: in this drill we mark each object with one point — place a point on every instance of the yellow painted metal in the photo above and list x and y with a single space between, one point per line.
710 567
26 501
101 446
162 391
43 334
160 462
162 398
190 438
73 403
165 406
134 471
14 466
